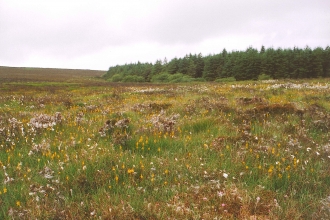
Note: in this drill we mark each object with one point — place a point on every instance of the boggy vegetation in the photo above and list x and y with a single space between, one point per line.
248 150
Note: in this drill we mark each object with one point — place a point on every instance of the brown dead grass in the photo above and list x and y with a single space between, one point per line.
22 74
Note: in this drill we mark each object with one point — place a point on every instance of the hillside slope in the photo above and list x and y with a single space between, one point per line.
9 74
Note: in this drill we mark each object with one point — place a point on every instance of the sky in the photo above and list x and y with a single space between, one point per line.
96 34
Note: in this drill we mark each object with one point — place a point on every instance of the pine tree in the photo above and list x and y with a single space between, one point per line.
213 67
210 68
262 49
173 66
228 67
199 65
243 65
315 62
157 68
326 62
183 65
281 64
191 68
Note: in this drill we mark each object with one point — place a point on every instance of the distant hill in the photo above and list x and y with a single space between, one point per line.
22 74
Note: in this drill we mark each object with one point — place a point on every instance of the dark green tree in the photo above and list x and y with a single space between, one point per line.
315 63
212 67
243 65
191 69
326 62
173 66
157 68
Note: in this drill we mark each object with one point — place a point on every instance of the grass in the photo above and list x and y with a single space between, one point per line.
250 150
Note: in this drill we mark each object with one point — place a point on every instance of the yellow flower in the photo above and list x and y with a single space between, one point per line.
18 203
273 150
4 190
130 171
270 170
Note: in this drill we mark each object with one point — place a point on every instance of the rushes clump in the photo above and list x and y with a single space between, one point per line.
43 121
42 148
117 129
164 123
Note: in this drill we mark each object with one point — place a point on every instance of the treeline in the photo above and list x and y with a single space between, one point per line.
251 64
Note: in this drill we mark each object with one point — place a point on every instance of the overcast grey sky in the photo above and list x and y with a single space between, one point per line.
95 34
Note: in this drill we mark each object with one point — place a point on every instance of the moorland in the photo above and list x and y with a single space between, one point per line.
80 147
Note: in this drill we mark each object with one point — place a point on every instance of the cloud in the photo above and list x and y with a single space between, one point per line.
195 21
63 32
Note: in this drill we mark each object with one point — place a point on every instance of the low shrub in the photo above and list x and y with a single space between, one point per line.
264 77
227 79
133 78
162 77
116 78
172 78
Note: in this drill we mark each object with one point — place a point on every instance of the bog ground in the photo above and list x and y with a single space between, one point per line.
81 148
